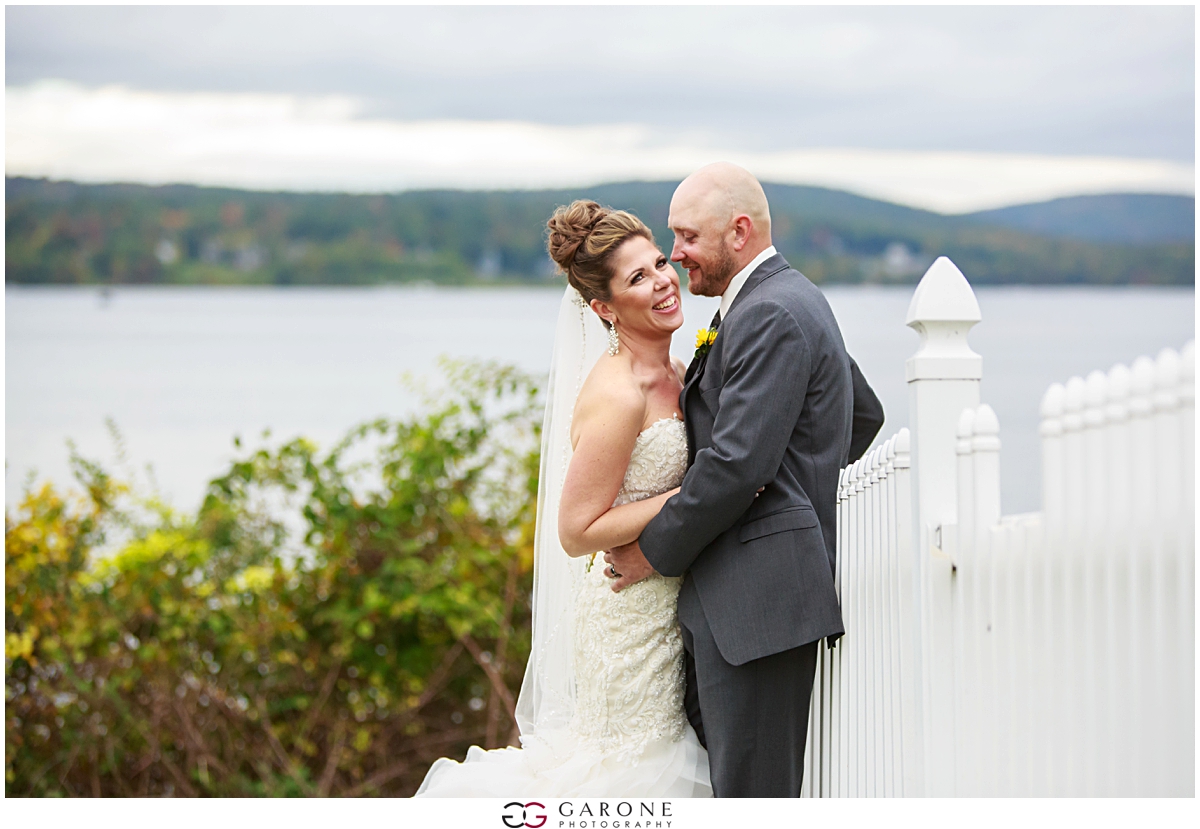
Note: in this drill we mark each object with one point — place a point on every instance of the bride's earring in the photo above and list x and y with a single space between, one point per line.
614 342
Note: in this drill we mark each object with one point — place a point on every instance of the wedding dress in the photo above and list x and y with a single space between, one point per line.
601 708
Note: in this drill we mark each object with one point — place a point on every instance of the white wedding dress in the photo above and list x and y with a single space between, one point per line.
628 735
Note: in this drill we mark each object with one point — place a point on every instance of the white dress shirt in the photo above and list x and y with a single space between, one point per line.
735 284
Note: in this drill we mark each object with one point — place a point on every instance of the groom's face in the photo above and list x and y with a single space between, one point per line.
702 246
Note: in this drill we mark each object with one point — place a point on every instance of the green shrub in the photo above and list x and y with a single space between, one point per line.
326 624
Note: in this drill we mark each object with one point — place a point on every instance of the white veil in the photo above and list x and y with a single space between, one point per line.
547 699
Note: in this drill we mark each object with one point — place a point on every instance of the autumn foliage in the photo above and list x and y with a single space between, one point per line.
327 623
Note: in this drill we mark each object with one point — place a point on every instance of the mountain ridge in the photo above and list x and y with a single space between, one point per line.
1122 218
62 231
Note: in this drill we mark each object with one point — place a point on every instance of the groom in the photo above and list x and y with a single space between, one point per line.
774 402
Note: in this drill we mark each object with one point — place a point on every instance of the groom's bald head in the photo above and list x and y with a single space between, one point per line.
721 221
727 190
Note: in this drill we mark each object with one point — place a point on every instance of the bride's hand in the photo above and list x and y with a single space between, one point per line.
626 565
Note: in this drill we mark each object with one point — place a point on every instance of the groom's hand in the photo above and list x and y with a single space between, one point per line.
629 563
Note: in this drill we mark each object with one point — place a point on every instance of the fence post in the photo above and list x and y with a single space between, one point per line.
943 379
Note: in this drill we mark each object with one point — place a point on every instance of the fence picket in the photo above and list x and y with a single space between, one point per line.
1050 653
1185 586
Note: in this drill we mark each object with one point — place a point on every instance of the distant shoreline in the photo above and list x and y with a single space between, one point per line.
61 232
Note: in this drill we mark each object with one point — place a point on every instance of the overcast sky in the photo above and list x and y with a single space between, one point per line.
952 108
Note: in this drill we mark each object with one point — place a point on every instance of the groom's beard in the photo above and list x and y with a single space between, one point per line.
715 276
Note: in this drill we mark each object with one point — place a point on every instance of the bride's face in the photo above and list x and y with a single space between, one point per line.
645 290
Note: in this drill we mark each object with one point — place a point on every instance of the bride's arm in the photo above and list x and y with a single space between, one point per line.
617 526
608 427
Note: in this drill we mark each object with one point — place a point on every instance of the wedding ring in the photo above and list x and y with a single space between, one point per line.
612 568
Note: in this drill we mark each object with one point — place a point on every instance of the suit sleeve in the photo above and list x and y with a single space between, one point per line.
868 414
767 362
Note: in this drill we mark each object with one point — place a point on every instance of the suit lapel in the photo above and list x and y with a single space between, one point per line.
765 270
695 370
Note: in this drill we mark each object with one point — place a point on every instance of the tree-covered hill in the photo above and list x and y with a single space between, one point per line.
1132 218
70 233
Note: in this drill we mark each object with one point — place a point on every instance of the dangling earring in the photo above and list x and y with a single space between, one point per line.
614 343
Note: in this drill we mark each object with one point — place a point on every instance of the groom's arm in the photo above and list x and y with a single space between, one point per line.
868 414
767 362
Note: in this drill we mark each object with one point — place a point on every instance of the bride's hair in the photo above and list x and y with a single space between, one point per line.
583 237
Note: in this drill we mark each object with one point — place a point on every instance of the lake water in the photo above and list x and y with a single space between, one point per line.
183 370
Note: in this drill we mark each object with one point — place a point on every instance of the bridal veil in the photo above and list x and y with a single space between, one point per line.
547 699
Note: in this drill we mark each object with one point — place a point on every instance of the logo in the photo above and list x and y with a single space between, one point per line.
513 822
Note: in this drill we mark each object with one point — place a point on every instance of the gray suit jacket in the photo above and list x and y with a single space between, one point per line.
771 404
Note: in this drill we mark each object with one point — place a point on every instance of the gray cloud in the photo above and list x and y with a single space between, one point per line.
1062 80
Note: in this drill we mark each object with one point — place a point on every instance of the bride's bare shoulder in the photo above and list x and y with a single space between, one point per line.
612 397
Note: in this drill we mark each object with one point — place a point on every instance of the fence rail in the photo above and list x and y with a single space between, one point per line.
1049 653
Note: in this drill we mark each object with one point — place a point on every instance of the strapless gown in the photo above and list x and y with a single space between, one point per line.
629 736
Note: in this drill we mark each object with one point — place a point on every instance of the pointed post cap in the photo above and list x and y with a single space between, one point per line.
942 311
943 295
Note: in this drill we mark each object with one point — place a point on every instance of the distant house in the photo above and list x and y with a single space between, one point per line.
167 252
489 264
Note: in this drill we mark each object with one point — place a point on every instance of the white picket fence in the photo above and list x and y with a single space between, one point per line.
1049 653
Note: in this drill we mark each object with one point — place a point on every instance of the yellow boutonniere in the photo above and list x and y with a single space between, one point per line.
705 337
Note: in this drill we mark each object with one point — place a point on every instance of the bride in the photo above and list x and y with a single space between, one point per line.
601 709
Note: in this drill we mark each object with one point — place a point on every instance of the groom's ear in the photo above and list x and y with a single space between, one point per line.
743 226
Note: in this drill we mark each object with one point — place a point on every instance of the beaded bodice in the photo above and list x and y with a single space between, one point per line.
628 649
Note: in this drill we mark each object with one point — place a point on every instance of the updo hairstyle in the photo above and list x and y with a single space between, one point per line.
583 238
